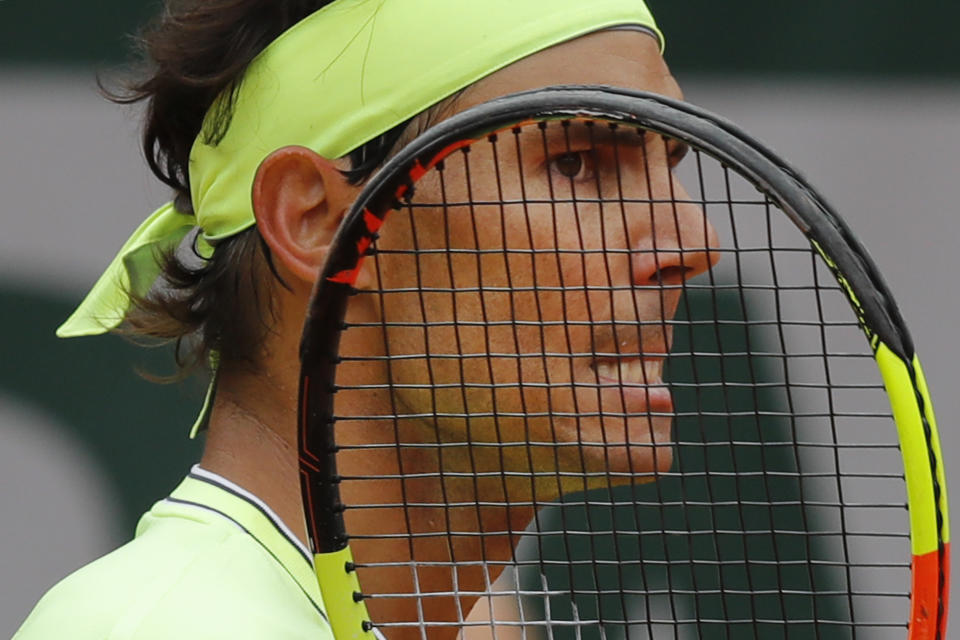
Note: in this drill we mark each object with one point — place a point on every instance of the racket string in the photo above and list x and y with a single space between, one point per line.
763 377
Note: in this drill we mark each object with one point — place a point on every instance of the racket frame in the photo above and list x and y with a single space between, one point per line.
854 269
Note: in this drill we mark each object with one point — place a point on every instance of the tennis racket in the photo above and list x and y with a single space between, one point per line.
557 383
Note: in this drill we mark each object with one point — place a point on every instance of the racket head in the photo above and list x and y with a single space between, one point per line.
832 460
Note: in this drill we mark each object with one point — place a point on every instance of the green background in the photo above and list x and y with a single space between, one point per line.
148 452
876 37
144 453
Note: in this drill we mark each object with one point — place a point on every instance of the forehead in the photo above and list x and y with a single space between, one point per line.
619 58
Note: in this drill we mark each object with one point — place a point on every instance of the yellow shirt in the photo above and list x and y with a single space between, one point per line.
211 561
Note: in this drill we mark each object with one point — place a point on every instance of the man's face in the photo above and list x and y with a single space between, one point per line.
559 304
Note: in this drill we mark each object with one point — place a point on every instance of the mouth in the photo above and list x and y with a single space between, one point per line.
631 371
636 384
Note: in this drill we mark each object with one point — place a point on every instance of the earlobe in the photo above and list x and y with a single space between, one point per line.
299 199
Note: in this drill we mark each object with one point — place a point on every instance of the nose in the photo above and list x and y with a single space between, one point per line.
681 243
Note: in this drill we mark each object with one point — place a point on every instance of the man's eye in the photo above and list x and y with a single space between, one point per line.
569 165
676 155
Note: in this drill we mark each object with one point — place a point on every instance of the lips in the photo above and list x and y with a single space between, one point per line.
632 371
635 383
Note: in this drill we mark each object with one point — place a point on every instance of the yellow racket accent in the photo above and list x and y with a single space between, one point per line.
929 564
916 454
935 442
338 584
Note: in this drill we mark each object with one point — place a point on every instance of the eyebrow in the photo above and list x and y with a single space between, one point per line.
628 136
622 135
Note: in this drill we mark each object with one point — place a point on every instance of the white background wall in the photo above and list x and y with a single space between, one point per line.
73 186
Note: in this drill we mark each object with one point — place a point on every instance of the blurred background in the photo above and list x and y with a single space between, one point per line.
863 95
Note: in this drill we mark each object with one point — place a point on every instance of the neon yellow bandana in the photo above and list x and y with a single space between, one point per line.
339 78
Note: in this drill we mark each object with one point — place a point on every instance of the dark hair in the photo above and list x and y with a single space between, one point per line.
194 51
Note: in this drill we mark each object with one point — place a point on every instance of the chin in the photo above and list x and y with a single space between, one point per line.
637 463
602 451
620 466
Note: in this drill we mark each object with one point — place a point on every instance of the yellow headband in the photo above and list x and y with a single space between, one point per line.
341 77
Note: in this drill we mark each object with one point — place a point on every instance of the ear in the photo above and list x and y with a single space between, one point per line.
299 199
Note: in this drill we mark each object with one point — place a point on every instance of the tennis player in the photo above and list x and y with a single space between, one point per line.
265 117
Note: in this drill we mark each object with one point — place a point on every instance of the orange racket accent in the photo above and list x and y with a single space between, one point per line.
348 276
373 222
928 597
416 172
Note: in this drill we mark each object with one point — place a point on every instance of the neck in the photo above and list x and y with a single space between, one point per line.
252 442
249 442
439 533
